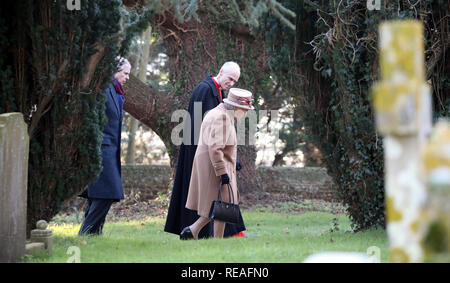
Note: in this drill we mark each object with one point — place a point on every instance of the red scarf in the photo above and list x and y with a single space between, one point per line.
218 88
118 86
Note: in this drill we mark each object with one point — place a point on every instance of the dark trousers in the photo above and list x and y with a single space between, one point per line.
94 216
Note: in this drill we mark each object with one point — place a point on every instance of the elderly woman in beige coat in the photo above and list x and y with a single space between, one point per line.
215 161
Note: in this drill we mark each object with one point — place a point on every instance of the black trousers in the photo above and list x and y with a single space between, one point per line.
94 216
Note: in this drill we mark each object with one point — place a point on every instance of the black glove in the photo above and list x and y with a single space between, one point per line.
238 165
225 179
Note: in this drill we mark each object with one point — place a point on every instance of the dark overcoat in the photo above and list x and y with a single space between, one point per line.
178 215
109 183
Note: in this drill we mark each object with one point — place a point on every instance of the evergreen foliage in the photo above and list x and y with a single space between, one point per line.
56 64
324 57
328 65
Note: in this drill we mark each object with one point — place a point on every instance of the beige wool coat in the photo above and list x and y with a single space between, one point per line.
216 155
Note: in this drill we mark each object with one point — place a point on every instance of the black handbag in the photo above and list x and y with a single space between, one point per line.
225 211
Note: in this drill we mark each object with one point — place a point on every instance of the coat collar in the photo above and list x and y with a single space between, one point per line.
229 113
213 87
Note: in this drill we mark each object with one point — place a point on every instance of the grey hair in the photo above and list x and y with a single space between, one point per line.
230 66
228 106
121 63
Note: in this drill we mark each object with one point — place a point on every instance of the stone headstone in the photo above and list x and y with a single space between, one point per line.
402 102
436 156
42 235
34 248
14 146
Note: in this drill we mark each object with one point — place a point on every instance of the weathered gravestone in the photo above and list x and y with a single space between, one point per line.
436 157
14 144
417 165
402 102
41 239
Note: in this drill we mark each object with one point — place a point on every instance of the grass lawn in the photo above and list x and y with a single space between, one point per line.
272 237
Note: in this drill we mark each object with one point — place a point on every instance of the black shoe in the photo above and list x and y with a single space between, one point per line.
186 234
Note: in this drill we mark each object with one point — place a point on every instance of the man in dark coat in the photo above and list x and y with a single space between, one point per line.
207 95
108 187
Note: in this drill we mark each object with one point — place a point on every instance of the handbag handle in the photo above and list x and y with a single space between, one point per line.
230 192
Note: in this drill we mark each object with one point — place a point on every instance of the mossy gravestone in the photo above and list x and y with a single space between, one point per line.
14 143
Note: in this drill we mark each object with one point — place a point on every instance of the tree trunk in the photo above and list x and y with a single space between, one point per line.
56 76
131 148
151 108
142 75
192 50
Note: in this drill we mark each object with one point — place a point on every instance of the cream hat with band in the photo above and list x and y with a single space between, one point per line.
239 97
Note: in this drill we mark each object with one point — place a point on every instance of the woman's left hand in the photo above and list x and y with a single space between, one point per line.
238 165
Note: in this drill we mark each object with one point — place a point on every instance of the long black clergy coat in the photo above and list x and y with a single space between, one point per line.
109 183
178 215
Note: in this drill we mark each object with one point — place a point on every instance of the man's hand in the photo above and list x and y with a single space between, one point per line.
225 179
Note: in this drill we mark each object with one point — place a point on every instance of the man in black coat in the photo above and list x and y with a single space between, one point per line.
207 95
108 187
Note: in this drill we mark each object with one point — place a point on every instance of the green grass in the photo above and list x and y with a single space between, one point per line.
273 237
